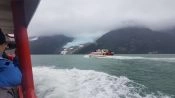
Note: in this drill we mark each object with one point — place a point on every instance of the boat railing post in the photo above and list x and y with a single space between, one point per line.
22 46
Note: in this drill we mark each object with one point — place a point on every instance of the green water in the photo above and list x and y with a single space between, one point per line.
156 72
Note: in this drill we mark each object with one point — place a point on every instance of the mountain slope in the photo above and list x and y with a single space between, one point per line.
134 40
49 44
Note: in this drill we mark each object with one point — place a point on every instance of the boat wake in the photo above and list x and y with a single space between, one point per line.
136 58
75 83
142 58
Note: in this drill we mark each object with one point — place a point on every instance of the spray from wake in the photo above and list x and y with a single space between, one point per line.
74 83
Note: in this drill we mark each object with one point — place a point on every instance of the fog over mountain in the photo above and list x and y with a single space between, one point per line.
128 40
87 20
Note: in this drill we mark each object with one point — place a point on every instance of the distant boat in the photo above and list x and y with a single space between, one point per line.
101 53
64 52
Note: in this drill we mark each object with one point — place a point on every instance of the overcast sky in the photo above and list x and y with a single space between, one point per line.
86 20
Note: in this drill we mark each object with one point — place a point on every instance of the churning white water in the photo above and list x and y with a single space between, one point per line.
75 83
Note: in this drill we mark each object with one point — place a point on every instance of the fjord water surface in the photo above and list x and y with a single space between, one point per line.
119 76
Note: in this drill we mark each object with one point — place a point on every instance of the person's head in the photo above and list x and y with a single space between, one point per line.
3 43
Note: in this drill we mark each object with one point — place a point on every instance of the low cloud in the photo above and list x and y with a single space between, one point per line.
89 19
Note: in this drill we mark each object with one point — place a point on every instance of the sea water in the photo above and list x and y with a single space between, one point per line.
119 76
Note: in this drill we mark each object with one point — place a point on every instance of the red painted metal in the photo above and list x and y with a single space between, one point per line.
23 50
